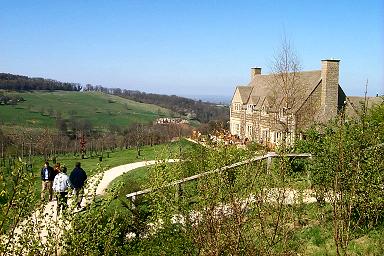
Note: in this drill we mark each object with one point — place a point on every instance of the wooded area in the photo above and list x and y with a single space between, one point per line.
25 83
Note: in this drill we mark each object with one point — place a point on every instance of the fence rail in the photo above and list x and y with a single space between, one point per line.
268 156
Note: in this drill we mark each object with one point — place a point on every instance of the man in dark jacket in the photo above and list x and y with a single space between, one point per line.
47 176
77 179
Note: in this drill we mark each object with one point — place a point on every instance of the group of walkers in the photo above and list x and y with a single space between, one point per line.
55 180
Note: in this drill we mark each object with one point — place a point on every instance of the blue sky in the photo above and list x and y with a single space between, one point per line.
189 47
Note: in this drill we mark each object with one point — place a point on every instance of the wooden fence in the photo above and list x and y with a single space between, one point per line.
268 157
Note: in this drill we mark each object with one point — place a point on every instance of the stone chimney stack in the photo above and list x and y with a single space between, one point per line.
330 87
255 72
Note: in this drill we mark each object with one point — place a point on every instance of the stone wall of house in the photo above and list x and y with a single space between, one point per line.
311 111
330 88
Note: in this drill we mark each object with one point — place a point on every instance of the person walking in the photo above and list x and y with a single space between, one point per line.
77 179
47 175
60 187
56 169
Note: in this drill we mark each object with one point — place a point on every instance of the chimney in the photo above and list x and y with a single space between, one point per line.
255 72
330 87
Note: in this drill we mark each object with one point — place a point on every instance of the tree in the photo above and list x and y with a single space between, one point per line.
4 140
286 73
286 89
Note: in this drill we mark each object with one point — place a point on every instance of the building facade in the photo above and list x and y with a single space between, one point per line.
277 107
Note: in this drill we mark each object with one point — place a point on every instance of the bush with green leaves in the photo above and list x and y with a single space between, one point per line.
348 170
237 211
16 195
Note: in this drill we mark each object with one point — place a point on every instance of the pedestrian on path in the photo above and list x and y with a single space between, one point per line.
47 176
60 186
77 179
56 169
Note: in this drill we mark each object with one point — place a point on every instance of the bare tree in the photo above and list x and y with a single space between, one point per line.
287 91
287 87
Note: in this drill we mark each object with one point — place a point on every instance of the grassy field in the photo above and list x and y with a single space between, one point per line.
134 180
138 179
110 159
40 109
90 164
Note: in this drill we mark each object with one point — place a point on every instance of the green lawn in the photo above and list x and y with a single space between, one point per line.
40 109
131 181
138 179
110 159
90 165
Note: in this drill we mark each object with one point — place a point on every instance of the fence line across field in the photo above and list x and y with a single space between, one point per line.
132 196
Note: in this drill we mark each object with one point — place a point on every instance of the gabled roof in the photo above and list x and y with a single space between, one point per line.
261 86
357 102
255 100
244 92
263 83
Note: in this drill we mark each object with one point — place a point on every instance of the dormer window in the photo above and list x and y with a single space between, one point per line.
263 110
237 106
285 110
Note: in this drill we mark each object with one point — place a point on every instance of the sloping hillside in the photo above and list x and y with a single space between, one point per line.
41 109
201 111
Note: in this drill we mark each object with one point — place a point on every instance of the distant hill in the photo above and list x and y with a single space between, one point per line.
22 83
199 110
45 109
217 99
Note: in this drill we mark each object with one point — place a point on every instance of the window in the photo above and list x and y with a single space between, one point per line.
237 106
250 108
263 110
249 130
265 134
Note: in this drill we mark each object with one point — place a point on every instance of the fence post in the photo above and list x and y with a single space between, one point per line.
269 162
179 191
133 199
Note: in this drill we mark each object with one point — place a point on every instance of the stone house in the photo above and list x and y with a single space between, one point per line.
267 111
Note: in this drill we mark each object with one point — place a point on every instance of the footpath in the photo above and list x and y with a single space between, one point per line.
44 223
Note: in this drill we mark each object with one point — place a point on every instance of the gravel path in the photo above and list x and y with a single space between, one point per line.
45 223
